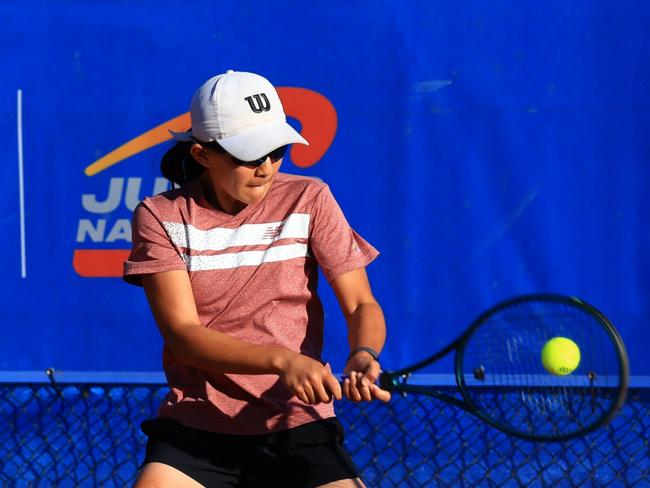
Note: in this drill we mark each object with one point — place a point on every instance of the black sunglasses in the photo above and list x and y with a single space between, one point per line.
275 155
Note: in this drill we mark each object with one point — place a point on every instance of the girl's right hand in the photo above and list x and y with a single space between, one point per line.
308 379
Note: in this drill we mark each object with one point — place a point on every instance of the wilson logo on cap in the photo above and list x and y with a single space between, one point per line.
257 106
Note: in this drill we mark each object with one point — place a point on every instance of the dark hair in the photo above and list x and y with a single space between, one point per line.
178 165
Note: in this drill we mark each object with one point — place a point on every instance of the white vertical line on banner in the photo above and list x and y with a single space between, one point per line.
21 185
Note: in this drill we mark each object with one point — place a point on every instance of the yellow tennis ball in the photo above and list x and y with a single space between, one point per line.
560 356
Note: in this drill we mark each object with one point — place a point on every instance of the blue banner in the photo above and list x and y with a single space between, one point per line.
487 149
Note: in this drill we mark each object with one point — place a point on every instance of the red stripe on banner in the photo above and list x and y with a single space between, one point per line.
99 263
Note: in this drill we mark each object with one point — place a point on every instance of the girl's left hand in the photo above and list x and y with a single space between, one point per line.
362 372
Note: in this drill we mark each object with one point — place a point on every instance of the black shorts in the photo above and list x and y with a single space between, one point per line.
305 456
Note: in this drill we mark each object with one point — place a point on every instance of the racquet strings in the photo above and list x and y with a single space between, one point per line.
506 382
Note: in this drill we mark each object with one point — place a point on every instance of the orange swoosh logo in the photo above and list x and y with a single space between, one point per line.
315 113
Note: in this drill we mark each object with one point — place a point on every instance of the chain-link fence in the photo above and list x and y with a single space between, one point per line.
88 435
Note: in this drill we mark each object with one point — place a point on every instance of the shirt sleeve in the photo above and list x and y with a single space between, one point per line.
152 250
335 245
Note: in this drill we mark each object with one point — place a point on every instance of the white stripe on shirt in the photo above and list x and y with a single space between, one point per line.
296 226
245 258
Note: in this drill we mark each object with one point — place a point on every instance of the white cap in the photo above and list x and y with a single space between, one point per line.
243 113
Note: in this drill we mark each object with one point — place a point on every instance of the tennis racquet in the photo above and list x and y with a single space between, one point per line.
502 380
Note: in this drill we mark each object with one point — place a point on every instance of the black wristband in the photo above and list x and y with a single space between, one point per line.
369 350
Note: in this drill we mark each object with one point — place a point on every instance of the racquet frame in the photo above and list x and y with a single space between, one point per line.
397 381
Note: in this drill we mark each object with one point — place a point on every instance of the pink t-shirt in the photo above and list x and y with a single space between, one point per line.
254 277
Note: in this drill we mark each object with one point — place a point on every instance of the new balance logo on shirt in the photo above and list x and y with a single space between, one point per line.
272 232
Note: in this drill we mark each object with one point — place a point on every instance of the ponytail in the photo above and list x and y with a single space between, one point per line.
178 165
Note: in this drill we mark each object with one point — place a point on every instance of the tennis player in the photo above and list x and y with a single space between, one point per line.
228 262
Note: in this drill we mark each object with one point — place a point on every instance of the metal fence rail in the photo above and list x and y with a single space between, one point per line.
80 434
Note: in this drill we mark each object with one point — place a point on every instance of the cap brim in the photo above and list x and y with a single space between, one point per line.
182 136
260 141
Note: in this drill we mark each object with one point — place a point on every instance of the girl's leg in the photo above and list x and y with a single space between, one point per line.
348 483
159 475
